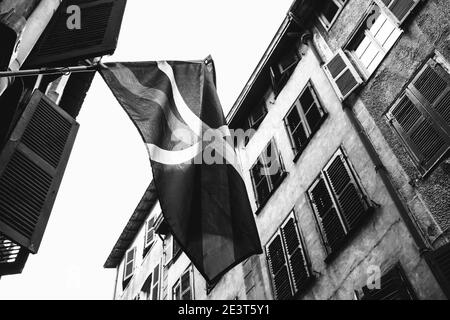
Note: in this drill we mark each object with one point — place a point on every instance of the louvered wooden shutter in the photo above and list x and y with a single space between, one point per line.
155 285
328 216
149 232
394 286
279 269
401 8
422 116
12 257
296 257
440 262
32 165
100 26
130 259
348 196
343 75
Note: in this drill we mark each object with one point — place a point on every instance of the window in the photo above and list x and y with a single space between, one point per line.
182 290
289 268
338 202
149 235
373 39
150 289
176 249
281 71
400 8
304 119
328 11
343 76
130 262
267 173
255 118
393 286
421 116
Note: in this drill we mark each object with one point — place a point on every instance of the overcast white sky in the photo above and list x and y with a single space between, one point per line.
109 168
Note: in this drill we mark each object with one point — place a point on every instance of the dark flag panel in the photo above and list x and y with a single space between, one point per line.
204 200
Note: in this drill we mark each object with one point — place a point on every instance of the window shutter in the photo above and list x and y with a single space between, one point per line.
186 291
176 249
432 87
12 257
155 289
289 61
32 165
100 26
394 286
296 257
343 75
401 8
440 262
149 232
327 213
130 259
424 141
346 191
279 269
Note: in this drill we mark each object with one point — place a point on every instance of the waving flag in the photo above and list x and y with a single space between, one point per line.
176 109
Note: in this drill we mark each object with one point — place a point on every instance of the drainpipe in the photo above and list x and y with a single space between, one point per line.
34 28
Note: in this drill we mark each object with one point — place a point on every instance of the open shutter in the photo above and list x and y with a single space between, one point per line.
349 198
279 269
432 88
32 165
295 255
149 232
327 213
401 8
130 260
186 290
100 26
394 286
424 138
12 257
155 285
343 75
440 262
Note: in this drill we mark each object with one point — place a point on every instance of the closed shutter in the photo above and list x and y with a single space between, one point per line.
346 191
440 262
295 255
343 75
401 8
155 285
394 286
32 165
279 269
328 216
12 257
421 116
100 25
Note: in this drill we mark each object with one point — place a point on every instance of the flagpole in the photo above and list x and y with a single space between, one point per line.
49 71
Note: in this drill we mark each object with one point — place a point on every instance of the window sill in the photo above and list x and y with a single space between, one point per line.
278 184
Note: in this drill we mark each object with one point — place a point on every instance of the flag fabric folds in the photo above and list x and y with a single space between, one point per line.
176 109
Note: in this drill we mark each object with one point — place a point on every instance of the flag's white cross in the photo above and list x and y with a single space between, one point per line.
219 143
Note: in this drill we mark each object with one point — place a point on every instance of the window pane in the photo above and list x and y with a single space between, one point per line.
263 191
293 119
129 269
300 138
187 295
306 100
329 10
177 292
314 116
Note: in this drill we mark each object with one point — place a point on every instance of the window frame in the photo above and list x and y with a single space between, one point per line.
329 24
273 186
177 284
304 121
148 245
361 27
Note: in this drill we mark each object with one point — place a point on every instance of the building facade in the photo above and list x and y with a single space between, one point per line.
347 163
